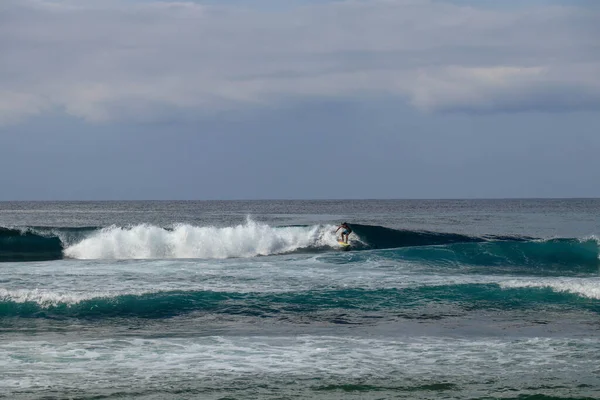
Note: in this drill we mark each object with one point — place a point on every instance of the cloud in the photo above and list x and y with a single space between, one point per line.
124 60
15 106
508 89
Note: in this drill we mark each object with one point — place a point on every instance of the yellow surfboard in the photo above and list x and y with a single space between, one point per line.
344 245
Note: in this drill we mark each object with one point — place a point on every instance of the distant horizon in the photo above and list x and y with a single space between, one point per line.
306 199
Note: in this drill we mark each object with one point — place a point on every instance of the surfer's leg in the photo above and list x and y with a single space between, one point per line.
346 233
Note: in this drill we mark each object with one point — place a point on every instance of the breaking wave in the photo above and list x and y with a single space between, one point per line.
258 239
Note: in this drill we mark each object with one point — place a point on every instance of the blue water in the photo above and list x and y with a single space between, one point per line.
255 299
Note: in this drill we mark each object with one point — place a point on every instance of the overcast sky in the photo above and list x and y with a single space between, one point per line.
139 99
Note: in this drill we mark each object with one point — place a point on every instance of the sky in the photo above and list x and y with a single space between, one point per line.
299 99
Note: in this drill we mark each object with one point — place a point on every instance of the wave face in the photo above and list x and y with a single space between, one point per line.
25 245
543 256
379 237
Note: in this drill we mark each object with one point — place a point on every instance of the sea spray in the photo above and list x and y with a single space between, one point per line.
187 241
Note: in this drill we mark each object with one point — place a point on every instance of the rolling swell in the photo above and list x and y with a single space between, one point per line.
336 305
558 256
513 253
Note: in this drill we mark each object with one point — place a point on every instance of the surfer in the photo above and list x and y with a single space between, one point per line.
347 231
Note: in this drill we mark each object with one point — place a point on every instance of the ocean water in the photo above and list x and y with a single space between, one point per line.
472 299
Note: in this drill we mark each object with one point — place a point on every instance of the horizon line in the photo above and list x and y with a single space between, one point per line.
306 199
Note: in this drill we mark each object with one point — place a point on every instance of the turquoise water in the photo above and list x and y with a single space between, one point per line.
236 300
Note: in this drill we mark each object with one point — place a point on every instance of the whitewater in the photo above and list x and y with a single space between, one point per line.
214 300
184 241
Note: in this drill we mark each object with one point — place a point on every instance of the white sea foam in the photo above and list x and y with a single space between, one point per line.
591 238
46 298
187 241
213 362
586 287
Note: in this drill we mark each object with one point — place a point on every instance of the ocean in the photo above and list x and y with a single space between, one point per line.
436 299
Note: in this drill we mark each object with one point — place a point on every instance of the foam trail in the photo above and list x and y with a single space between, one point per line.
585 287
187 241
46 298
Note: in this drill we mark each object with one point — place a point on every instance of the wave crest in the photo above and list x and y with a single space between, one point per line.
582 287
187 241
